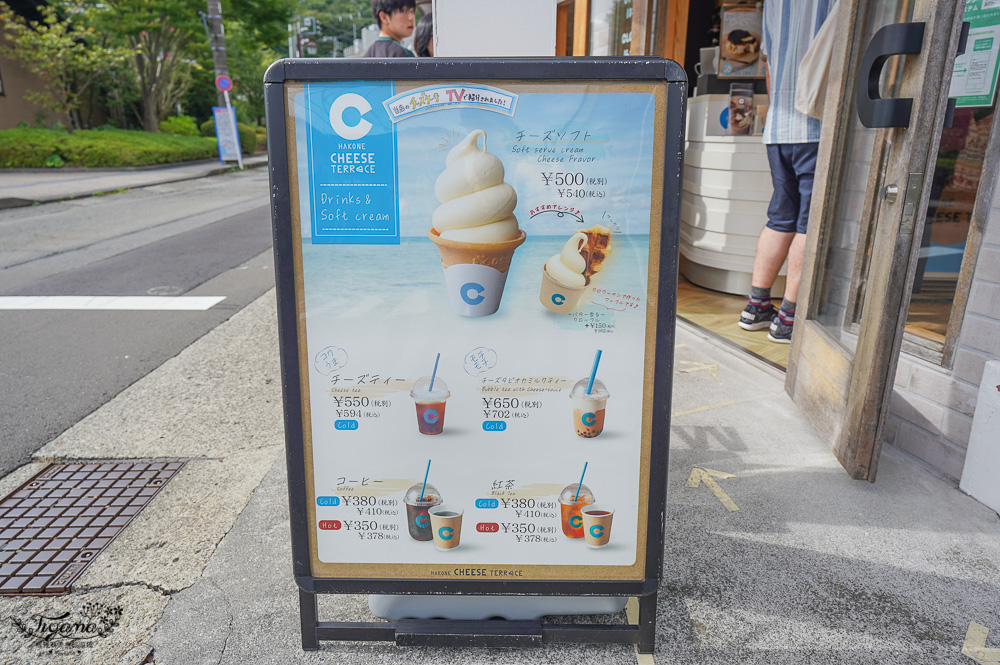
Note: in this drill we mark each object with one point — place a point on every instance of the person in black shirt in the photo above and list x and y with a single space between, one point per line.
395 20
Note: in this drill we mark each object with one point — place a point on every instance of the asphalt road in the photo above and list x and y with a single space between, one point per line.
208 237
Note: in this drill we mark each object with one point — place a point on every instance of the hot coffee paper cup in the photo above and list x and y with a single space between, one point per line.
446 524
597 524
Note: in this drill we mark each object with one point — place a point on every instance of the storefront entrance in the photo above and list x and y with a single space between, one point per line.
898 304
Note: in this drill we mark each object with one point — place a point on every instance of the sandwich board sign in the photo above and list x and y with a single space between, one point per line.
476 264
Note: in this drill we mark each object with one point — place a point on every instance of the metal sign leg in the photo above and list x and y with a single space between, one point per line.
309 617
647 623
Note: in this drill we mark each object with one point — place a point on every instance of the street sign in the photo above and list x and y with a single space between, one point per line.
226 134
491 247
223 83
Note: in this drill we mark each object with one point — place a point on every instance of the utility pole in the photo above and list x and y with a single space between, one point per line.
217 40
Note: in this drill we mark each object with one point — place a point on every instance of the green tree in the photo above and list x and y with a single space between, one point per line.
158 32
66 54
338 18
248 61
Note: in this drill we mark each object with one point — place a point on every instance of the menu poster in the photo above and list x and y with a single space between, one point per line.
739 47
974 77
474 279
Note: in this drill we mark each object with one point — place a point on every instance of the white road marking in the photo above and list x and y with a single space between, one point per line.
148 303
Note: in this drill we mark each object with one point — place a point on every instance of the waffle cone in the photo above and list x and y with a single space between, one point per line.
496 255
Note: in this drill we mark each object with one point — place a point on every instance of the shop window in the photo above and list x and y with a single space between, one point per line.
610 30
948 247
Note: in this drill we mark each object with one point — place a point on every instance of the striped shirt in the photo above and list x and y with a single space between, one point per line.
789 28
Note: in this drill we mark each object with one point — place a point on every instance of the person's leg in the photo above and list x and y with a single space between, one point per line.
774 240
804 164
772 248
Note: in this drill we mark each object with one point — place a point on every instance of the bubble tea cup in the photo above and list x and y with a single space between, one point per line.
589 409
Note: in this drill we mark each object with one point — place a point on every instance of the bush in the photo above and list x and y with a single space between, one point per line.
248 137
184 125
25 148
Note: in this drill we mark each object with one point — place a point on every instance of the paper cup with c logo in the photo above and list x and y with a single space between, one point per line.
446 525
597 524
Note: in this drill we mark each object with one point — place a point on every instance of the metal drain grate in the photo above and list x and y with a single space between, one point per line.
54 525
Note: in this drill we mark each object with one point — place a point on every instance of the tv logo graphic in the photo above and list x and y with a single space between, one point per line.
350 100
431 416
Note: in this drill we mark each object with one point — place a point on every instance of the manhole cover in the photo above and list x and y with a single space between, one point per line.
54 525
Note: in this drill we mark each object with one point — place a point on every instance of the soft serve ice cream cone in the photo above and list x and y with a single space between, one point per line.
474 227
566 275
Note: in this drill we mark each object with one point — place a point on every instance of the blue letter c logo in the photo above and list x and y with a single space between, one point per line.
472 287
430 416
558 298
596 531
576 521
446 533
589 419
423 521
350 100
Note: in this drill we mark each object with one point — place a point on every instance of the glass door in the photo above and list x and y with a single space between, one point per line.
869 203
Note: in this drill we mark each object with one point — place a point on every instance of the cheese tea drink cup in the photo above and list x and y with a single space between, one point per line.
446 525
597 525
430 404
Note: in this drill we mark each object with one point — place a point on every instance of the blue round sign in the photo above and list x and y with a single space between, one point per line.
223 82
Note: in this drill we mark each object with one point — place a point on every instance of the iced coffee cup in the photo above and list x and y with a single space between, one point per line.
589 408
572 500
418 503
430 404
597 525
474 228
446 525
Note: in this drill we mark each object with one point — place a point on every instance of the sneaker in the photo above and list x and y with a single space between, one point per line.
756 319
780 332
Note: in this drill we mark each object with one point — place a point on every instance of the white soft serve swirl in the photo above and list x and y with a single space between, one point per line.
476 204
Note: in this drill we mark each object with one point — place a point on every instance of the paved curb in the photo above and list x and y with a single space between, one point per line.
15 202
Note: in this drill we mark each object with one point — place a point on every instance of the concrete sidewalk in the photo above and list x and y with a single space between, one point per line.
812 568
21 187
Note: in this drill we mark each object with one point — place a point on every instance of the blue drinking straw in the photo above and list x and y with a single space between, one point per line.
593 372
581 475
427 472
434 373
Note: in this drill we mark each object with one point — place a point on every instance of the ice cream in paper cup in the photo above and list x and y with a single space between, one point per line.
566 275
475 228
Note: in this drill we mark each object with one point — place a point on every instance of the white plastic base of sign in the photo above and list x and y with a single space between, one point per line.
480 608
